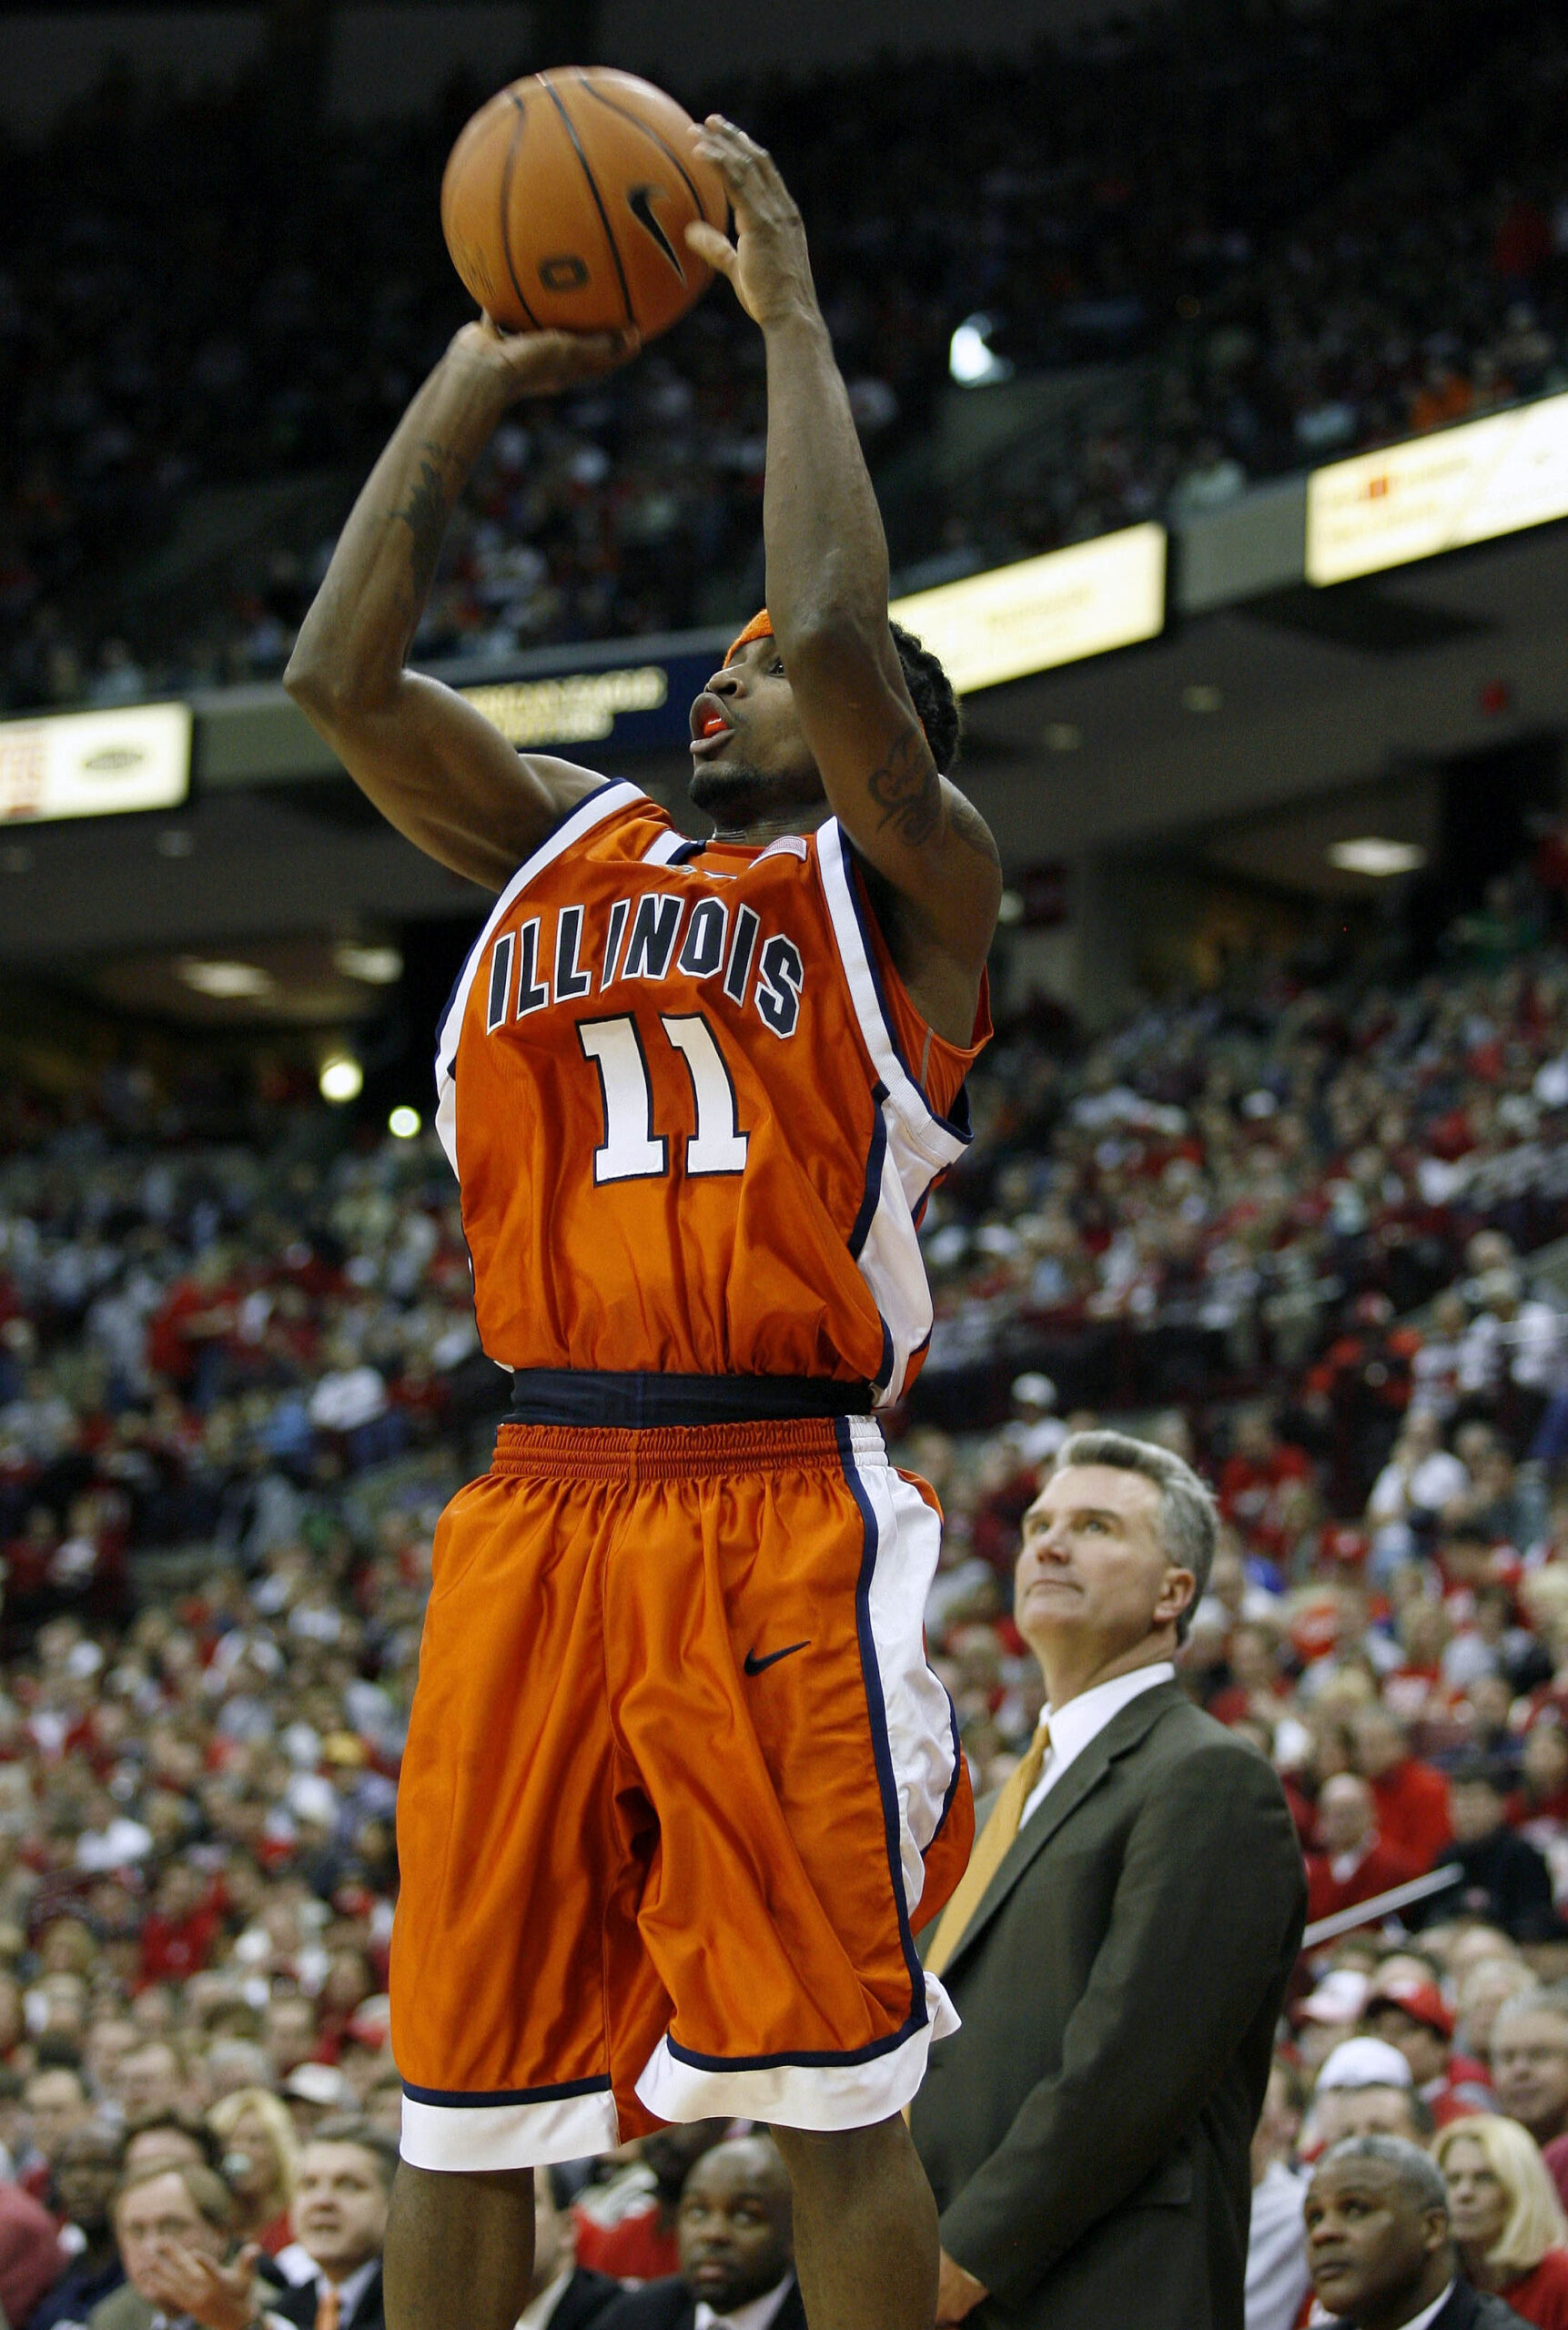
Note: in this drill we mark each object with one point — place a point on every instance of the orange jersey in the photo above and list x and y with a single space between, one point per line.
694 1117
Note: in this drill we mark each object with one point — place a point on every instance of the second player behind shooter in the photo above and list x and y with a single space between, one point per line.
679 1781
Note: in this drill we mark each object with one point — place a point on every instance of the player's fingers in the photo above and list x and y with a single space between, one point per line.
710 245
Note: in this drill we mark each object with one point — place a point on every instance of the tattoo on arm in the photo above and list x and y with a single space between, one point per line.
965 821
424 514
907 789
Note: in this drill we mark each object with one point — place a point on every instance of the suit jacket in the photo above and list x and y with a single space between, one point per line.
1087 2132
670 2305
1467 2309
584 2299
298 2306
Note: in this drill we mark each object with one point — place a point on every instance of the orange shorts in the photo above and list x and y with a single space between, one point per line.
678 1781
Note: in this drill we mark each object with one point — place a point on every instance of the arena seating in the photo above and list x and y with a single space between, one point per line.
1325 235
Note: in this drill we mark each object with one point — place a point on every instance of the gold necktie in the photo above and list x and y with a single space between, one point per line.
329 2308
990 1852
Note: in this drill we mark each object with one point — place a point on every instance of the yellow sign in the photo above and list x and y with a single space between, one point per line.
94 764
571 710
1042 612
1434 493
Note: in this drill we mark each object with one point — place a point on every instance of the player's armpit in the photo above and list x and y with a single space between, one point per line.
445 777
908 822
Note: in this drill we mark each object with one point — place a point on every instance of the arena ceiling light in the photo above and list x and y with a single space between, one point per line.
1374 853
341 1079
970 359
403 1123
226 982
373 966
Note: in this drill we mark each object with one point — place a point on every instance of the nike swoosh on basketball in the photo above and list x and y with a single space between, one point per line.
754 1665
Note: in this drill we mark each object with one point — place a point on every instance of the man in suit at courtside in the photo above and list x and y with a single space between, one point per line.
1118 1947
736 2246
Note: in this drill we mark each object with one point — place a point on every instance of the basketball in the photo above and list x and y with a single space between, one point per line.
565 202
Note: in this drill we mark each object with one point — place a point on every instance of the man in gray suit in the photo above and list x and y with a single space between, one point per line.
1118 1949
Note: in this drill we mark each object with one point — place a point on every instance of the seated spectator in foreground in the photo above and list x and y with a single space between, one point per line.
1414 2016
1380 2248
1355 1863
1505 2217
561 2295
627 2227
1501 1877
736 2249
88 2168
343 2183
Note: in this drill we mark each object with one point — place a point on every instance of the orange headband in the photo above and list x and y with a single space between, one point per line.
760 626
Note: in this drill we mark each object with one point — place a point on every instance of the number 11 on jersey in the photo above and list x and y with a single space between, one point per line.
632 1150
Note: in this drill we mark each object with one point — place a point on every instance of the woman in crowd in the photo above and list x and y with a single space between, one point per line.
1506 2216
258 2156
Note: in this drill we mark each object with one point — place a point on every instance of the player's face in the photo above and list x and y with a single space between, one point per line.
751 763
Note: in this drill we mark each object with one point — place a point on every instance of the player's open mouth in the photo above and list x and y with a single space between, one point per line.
711 728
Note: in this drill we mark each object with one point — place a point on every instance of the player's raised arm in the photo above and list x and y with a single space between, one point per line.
432 766
828 580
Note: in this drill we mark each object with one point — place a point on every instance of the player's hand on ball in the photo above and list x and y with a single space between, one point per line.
767 263
539 363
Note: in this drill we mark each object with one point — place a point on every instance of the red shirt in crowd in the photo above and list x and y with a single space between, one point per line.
30 2258
1412 1802
1377 1870
637 2249
1541 2296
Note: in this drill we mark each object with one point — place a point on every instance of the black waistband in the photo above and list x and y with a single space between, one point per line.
563 1395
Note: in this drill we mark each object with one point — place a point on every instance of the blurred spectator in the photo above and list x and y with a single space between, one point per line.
561 2295
1411 2014
259 2162
30 2258
1354 1863
1501 1875
1277 2277
1506 2217
88 2168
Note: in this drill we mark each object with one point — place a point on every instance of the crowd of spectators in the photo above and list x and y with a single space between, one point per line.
1291 232
1301 1228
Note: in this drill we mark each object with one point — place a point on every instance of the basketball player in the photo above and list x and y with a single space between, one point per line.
678 1779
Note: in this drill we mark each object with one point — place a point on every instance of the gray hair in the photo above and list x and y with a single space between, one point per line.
1552 2001
1189 1521
1419 2174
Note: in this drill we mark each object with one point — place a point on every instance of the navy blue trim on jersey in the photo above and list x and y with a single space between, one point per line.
884 1375
687 851
873 1163
463 2099
603 785
959 1131
822 2060
876 1709
957 1768
598 1400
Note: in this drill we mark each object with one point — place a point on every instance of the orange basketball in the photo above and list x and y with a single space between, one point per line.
566 201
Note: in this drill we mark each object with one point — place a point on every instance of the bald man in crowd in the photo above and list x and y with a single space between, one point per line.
1353 1861
736 2246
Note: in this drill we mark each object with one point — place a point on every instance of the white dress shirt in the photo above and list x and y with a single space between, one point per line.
1277 2275
756 2315
1428 2313
1083 1719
